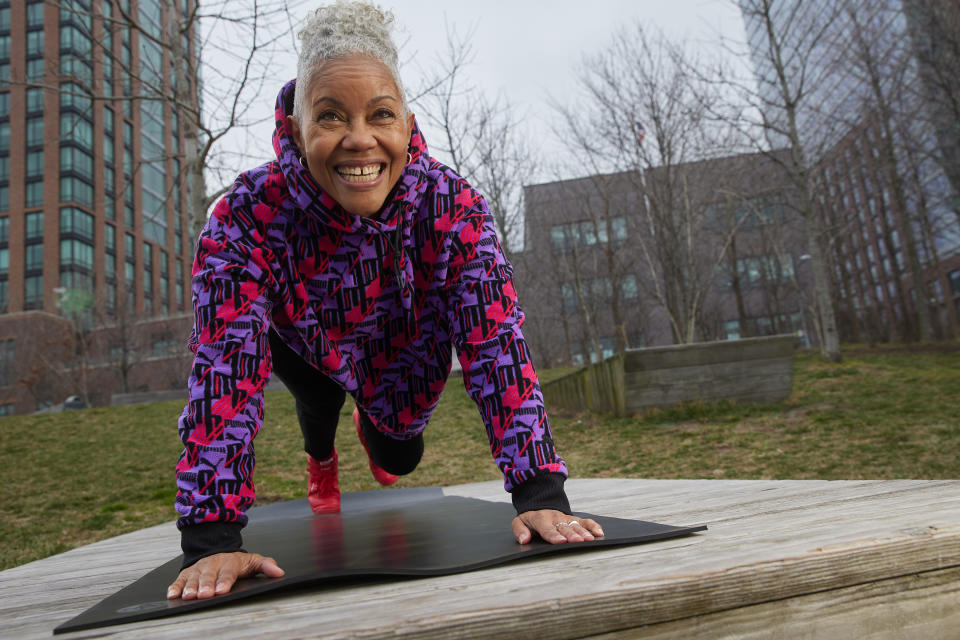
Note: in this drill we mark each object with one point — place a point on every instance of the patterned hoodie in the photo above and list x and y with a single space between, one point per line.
373 303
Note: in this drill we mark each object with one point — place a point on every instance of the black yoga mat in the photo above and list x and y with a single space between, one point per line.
388 532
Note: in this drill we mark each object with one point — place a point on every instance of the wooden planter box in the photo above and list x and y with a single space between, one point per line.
749 370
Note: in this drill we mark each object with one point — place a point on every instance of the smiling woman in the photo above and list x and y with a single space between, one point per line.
351 263
355 132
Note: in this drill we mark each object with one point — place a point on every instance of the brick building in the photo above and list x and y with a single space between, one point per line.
93 227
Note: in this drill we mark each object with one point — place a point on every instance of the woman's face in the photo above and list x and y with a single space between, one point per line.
354 134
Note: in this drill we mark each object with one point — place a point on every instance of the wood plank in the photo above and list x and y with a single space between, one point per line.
768 540
908 607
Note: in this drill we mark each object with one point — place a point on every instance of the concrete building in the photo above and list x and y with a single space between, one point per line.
93 227
632 260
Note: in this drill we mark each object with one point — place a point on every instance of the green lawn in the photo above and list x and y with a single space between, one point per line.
73 478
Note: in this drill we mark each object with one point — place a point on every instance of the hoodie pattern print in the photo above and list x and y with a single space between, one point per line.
374 303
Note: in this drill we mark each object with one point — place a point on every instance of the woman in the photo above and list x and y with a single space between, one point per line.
350 264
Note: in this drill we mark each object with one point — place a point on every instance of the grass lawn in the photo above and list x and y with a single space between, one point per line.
73 478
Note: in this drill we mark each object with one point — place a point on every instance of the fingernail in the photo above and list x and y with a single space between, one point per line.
599 532
171 592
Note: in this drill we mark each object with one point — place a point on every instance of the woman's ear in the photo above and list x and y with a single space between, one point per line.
410 122
294 125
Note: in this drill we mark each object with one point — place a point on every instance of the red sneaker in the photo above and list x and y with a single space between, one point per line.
323 490
381 476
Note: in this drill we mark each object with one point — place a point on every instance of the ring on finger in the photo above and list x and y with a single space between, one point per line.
569 524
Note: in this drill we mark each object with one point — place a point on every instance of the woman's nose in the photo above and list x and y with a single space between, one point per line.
359 136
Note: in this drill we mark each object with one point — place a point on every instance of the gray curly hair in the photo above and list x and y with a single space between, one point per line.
344 28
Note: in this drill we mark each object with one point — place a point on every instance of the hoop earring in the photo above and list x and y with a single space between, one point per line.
302 163
409 159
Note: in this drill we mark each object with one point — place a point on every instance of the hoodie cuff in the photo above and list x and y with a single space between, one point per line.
209 538
544 491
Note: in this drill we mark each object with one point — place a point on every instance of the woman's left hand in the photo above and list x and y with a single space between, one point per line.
555 527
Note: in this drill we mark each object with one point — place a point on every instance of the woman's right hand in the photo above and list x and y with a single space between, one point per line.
215 575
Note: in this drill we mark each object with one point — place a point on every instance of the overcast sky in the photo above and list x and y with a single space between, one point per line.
529 50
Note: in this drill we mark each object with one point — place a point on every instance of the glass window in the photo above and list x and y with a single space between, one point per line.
34 164
33 291
35 14
110 237
147 256
108 151
4 230
76 161
108 117
75 253
954 277
4 74
75 128
76 190
4 104
129 273
34 194
619 228
4 198
36 69
76 222
76 66
4 261
4 168
34 257
5 136
34 43
5 19
128 245
35 132
34 100
75 96
5 47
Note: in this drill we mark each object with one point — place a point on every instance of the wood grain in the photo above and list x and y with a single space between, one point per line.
812 555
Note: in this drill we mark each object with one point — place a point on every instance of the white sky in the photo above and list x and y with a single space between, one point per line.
529 50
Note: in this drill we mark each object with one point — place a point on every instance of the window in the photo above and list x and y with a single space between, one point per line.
35 15
7 360
78 161
34 100
34 226
76 129
4 136
34 194
954 277
36 70
35 132
76 190
4 261
33 257
110 237
34 43
4 104
4 230
76 253
77 223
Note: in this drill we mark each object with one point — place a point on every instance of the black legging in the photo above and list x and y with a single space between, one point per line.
319 400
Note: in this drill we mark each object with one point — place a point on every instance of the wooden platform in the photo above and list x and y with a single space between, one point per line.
782 559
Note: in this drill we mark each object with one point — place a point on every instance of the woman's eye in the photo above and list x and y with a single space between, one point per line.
383 113
327 115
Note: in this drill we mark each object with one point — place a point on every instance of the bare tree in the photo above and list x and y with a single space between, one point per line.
482 136
881 64
237 43
647 116
780 109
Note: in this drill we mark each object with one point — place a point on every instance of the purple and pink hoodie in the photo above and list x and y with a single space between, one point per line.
375 304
